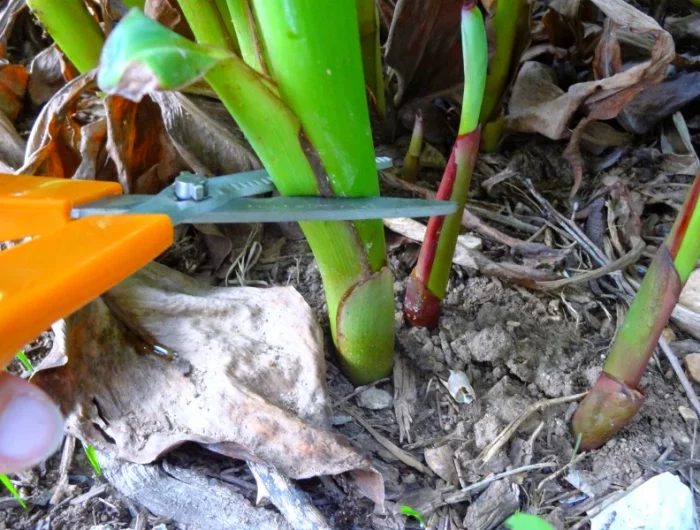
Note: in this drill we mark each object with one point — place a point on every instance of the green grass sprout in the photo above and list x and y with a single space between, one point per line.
5 480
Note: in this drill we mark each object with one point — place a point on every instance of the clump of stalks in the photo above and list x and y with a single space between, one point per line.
616 397
428 281
290 72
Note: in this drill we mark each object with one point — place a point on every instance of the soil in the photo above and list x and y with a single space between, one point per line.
516 346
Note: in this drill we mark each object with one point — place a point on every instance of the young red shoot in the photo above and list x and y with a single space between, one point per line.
428 282
616 397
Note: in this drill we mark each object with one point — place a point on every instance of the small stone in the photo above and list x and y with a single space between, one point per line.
690 295
486 430
669 335
374 399
692 362
491 344
460 347
340 419
453 326
441 460
687 414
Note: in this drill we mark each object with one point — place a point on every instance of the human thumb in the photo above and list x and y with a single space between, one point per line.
31 425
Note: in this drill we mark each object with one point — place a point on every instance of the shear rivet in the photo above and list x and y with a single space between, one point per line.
190 187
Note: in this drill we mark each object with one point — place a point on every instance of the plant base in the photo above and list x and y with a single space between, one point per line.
421 307
608 407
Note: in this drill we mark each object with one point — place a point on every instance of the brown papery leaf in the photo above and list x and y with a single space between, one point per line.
205 135
145 157
170 15
11 146
94 160
13 85
657 102
424 47
53 145
46 75
550 111
249 373
8 15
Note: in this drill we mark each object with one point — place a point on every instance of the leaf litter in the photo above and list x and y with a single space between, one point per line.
642 145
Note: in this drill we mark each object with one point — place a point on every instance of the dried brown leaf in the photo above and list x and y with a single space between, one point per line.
537 105
94 160
424 47
8 15
13 85
205 135
170 15
47 75
11 146
249 372
53 148
145 157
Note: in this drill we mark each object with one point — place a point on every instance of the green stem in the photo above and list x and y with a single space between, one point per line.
302 160
615 397
225 16
505 24
248 39
429 279
368 21
140 4
211 29
73 28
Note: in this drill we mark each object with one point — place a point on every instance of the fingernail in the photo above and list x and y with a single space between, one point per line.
31 429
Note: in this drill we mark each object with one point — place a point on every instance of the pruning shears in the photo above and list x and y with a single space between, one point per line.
86 236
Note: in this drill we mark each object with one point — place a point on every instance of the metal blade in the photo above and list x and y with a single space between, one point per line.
283 209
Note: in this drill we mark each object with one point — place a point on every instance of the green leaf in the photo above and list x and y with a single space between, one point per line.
475 57
92 458
525 521
407 510
22 358
141 56
5 480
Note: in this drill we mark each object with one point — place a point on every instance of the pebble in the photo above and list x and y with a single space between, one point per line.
692 362
374 399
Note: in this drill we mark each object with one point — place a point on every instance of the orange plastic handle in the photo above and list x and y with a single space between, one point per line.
34 206
52 276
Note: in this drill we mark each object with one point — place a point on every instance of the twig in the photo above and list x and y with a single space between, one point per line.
675 363
561 470
495 446
625 261
465 493
293 502
360 389
66 462
388 445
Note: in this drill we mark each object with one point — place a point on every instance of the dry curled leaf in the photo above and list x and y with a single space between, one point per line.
13 85
170 15
248 378
48 73
137 142
205 135
8 15
11 146
539 105
424 47
53 148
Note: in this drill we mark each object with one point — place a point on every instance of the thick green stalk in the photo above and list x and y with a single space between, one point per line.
140 4
326 150
244 24
429 279
616 397
73 28
368 21
505 26
211 29
225 16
